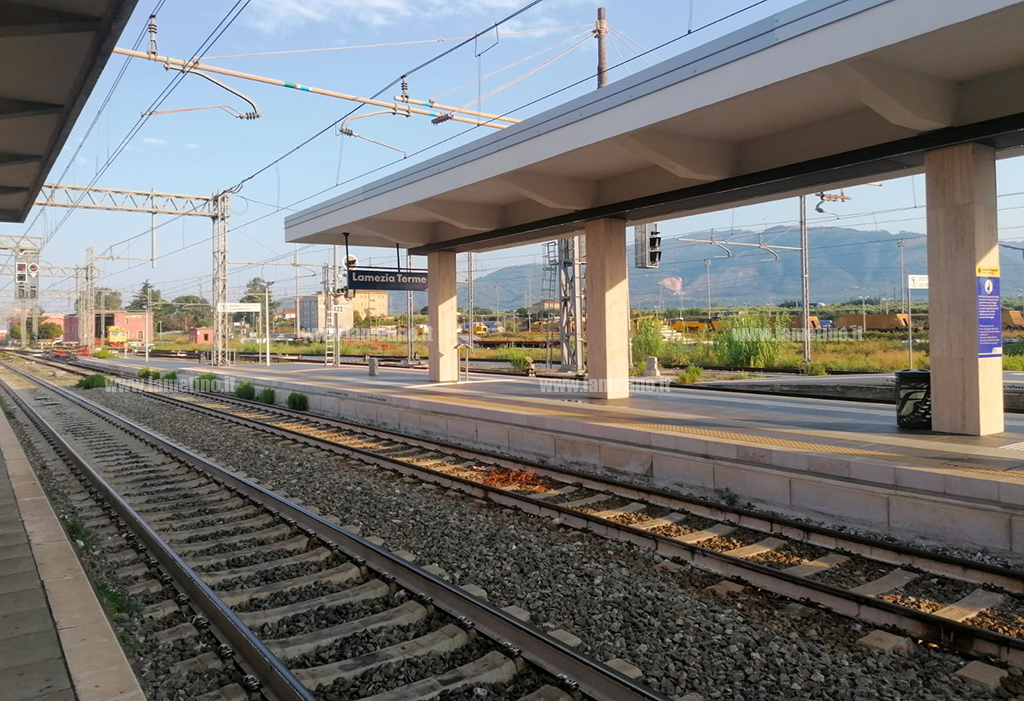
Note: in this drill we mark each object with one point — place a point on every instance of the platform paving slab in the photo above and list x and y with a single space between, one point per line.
61 645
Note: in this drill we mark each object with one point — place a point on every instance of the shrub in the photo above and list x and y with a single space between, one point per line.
297 401
171 375
268 395
814 369
751 340
245 390
148 374
520 359
104 354
647 340
206 382
92 381
692 374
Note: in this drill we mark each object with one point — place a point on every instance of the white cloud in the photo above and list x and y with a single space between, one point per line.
192 146
151 141
271 16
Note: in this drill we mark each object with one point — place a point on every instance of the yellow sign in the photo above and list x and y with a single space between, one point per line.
988 271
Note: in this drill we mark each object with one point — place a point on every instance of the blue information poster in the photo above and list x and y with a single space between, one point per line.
990 322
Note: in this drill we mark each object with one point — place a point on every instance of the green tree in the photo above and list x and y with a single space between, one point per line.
50 329
256 292
146 294
184 313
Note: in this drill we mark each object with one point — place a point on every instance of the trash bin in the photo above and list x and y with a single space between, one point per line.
914 399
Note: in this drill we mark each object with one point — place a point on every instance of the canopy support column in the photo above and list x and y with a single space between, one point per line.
607 313
443 311
963 265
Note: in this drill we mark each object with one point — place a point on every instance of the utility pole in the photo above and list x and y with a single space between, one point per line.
805 281
903 279
298 325
334 314
601 32
408 318
266 313
149 316
471 316
220 278
707 267
87 305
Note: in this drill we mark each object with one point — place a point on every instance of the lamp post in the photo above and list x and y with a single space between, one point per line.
1021 293
863 314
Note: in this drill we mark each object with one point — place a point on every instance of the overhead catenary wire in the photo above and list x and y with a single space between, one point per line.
330 127
207 43
413 42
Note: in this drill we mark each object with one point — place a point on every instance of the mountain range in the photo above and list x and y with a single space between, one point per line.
845 264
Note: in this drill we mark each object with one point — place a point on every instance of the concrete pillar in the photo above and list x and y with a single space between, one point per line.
967 390
443 312
607 309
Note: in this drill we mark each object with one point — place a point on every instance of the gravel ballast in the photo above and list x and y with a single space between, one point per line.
609 594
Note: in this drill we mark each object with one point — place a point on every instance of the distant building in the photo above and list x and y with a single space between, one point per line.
546 305
287 314
133 322
200 335
314 316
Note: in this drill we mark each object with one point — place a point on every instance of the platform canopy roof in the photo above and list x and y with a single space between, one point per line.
828 92
51 54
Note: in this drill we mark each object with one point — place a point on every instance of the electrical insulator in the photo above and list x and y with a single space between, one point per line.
405 88
152 51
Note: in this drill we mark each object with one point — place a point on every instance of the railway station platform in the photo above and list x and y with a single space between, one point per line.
56 642
827 459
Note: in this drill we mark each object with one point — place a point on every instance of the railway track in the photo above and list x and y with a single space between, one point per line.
954 603
306 608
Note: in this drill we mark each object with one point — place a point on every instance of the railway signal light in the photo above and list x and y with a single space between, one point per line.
654 249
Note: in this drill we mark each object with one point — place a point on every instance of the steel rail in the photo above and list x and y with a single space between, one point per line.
919 624
595 679
277 681
954 567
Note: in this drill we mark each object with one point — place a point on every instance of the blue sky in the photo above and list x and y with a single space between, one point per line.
202 151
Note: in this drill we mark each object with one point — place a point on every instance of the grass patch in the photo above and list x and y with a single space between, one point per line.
691 374
171 375
148 374
297 401
116 601
79 533
92 381
268 395
245 390
519 358
104 354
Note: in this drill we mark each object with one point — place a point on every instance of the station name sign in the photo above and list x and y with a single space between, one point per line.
387 279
